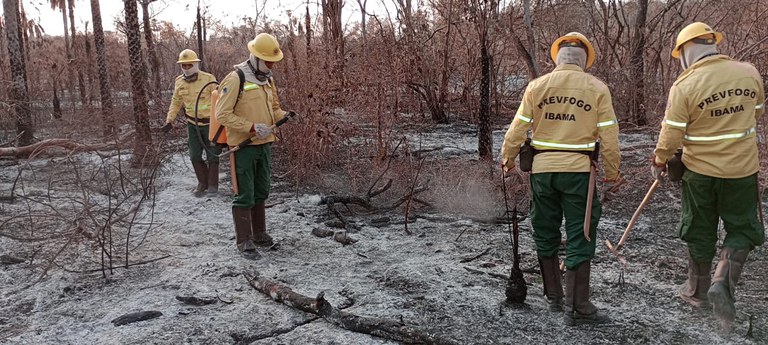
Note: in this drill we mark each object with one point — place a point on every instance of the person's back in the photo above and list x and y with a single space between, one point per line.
711 112
187 87
569 106
716 99
568 111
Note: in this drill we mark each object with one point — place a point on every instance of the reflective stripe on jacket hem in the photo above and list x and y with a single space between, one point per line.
561 145
721 137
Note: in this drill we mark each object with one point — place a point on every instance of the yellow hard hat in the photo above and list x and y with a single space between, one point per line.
578 40
265 47
692 31
187 56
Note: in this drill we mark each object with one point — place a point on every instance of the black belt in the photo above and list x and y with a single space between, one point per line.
199 120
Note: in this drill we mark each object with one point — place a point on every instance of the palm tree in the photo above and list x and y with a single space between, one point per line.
143 143
19 98
101 59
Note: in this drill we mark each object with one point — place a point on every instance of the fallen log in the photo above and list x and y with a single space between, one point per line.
378 327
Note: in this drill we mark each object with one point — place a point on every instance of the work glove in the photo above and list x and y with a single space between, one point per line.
657 171
167 127
508 172
262 130
611 188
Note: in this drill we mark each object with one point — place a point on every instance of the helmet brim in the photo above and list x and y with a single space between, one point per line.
676 50
555 48
254 52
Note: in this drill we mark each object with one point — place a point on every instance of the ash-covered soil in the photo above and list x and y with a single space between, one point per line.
387 273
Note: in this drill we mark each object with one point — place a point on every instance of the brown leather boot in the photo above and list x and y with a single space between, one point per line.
259 226
213 179
694 291
578 309
721 293
553 286
201 172
242 219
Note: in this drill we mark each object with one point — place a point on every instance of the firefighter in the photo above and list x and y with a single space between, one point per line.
249 112
186 88
712 111
568 111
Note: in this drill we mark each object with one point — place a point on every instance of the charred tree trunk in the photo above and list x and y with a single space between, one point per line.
637 63
484 132
76 60
56 101
154 63
17 90
528 18
443 92
200 47
332 15
143 143
108 123
89 63
68 52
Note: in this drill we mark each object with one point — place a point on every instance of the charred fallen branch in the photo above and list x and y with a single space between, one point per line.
365 201
68 145
378 327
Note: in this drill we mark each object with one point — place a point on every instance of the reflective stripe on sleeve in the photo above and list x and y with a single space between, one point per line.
561 145
524 118
675 123
607 123
249 86
759 106
721 137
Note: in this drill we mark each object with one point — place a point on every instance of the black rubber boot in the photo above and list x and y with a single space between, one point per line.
553 285
242 219
201 172
578 309
694 291
259 226
721 293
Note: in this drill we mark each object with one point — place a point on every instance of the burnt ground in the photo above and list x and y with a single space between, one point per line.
417 278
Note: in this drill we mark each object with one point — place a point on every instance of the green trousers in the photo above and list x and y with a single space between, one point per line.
254 175
563 194
706 200
196 147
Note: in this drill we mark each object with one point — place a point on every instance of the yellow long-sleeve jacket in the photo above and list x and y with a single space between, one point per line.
257 104
712 111
185 94
566 109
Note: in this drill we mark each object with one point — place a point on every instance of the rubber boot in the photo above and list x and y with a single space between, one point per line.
578 309
242 219
259 226
553 285
721 293
213 179
201 172
694 291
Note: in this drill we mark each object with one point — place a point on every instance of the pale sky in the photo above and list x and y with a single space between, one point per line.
182 12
